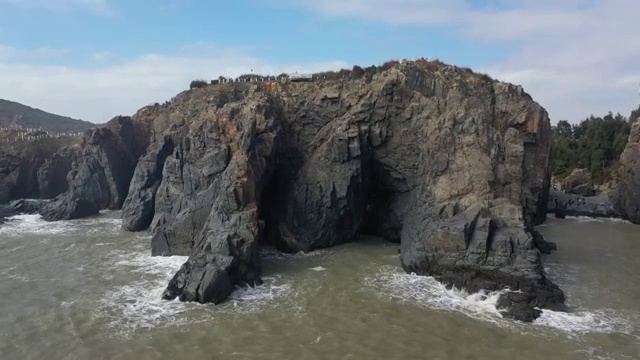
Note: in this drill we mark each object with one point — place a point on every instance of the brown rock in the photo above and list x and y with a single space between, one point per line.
579 183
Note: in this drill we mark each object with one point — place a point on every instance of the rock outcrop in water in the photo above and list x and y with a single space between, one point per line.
100 176
35 170
563 204
451 164
628 193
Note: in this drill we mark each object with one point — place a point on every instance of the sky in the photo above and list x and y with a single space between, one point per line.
95 59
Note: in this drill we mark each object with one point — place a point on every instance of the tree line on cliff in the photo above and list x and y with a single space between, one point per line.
594 144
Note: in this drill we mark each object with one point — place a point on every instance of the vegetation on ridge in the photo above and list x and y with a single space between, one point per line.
595 144
357 72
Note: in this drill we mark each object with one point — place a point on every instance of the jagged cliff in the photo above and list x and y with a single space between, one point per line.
450 164
36 169
627 199
100 176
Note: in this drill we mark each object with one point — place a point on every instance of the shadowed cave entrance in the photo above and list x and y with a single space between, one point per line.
375 206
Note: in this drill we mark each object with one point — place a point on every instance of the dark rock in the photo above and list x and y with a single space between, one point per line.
139 207
451 164
67 207
101 175
545 247
576 205
21 206
560 210
205 278
52 175
475 252
516 306
627 199
35 170
27 206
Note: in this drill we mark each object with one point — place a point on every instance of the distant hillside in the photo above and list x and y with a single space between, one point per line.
13 114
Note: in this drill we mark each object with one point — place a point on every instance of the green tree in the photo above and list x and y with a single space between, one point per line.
595 144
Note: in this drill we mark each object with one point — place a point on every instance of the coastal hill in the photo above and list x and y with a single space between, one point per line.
36 151
15 115
450 164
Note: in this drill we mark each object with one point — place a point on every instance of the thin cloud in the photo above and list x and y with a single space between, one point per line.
96 6
11 54
97 94
576 57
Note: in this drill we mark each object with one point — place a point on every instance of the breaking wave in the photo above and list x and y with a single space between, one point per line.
138 304
25 225
427 292
20 225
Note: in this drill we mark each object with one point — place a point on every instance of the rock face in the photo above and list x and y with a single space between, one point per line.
35 170
563 204
138 209
579 183
628 195
100 176
451 164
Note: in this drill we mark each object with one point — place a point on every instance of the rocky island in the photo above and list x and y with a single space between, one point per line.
449 163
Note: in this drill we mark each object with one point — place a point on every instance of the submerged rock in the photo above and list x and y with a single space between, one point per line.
21 206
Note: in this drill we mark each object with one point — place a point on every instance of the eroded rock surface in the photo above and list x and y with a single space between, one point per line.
449 163
35 170
627 199
101 173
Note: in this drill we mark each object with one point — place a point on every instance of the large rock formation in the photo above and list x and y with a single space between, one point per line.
100 176
451 164
628 193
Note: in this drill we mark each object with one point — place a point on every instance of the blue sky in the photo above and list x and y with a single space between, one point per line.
95 59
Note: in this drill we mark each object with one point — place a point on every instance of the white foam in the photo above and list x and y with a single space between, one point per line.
428 292
33 224
19 225
317 268
139 305
250 299
269 253
588 219
582 322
